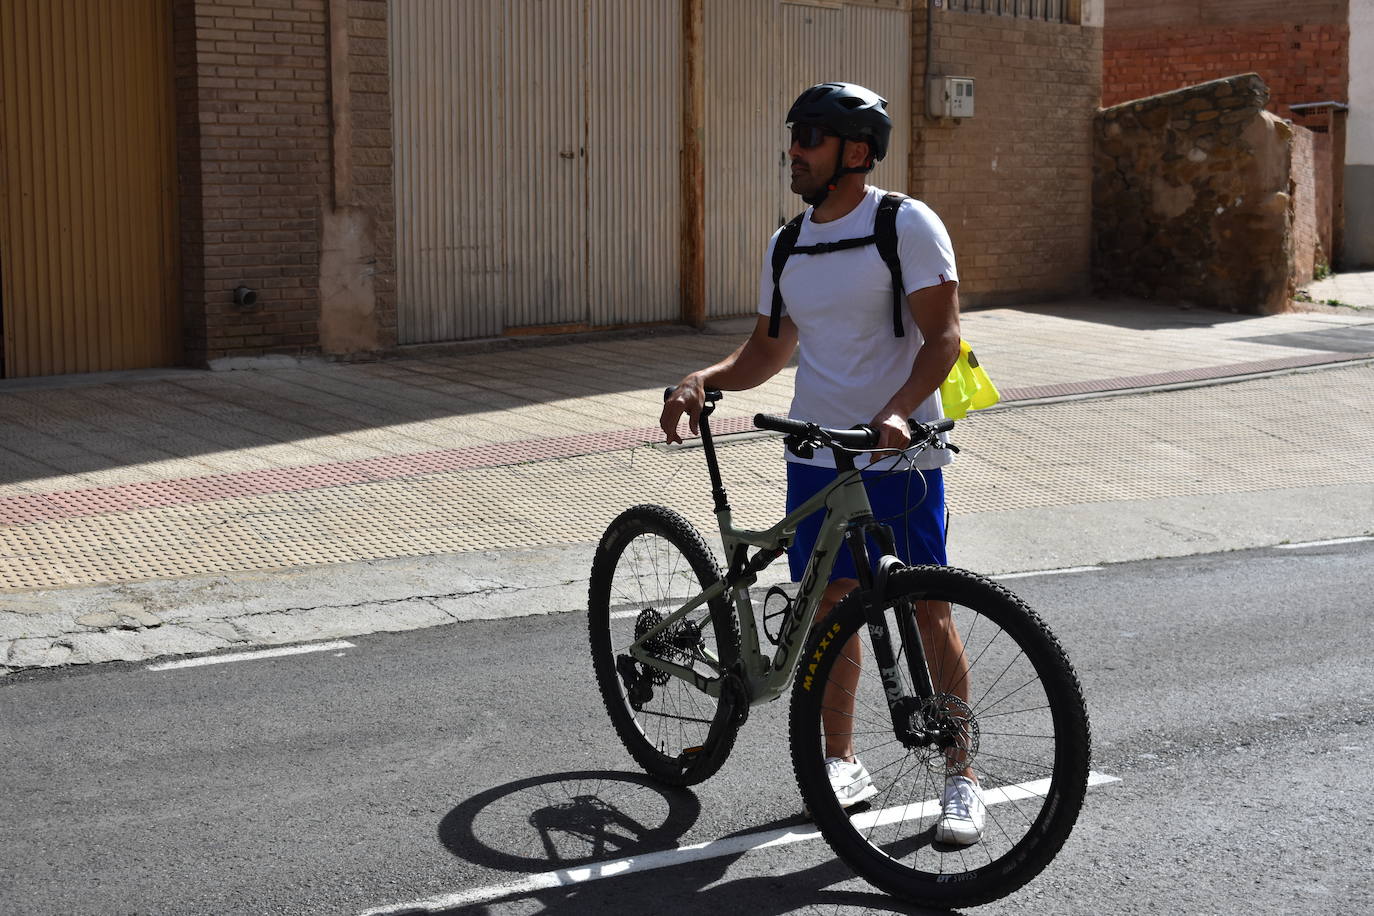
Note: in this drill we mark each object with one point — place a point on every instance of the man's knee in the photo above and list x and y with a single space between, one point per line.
834 592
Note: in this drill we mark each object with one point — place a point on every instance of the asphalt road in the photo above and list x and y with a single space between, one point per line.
1232 694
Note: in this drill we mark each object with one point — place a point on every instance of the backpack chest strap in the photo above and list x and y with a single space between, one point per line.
841 245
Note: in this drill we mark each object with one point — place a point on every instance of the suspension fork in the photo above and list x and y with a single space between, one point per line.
872 593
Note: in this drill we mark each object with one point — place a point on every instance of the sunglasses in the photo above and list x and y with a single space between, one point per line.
810 136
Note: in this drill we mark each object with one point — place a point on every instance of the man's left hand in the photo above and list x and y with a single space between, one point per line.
893 433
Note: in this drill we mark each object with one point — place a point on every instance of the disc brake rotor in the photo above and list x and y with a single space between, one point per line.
957 745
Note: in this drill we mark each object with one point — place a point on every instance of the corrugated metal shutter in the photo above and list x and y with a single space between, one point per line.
760 54
634 158
542 167
537 162
877 54
451 265
87 208
745 148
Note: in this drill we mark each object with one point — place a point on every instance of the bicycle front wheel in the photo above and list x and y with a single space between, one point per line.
650 562
1007 713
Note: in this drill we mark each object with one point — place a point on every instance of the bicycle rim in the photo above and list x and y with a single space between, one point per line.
650 562
1011 713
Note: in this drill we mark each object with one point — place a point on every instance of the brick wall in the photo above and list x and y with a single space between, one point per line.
254 154
1012 183
1299 62
1299 50
280 105
1135 14
369 86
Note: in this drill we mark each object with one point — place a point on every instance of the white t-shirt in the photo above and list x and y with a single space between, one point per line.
849 362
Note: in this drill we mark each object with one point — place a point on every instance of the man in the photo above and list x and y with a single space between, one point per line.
836 305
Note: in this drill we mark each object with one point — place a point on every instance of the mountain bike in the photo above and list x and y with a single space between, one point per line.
930 671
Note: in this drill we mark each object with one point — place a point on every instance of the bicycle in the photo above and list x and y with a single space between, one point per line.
679 662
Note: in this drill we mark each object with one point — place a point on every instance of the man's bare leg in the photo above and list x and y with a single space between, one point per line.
837 709
945 657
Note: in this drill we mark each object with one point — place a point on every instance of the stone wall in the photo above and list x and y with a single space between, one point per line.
1011 183
1191 198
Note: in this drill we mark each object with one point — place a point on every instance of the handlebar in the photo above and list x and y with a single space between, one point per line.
860 438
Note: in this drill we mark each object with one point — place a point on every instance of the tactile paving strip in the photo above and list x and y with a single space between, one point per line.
1285 432
33 507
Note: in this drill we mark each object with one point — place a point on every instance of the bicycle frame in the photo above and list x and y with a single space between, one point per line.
848 517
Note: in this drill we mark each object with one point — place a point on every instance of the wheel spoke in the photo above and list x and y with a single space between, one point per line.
1007 712
650 563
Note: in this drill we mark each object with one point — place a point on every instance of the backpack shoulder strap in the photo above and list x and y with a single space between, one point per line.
782 250
885 233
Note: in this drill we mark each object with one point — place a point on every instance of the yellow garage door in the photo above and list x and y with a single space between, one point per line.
88 235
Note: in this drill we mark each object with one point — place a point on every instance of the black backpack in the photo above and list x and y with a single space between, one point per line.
884 236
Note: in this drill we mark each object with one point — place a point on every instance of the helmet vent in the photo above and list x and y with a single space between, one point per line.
851 103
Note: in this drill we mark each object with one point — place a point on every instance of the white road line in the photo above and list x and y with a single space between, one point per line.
1354 540
1048 572
729 846
250 656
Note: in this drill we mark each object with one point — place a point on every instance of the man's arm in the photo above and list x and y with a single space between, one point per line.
936 312
755 361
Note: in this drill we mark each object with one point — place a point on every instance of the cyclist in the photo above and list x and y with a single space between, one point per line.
836 310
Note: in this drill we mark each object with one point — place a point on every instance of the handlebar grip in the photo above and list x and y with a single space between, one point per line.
943 425
781 424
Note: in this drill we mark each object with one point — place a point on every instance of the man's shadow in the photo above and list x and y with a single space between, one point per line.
564 821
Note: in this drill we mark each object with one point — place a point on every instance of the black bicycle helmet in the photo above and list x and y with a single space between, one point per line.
850 110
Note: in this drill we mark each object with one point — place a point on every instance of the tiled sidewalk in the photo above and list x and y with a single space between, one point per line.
1355 289
175 473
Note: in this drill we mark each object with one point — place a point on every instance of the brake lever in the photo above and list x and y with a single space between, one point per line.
932 437
800 446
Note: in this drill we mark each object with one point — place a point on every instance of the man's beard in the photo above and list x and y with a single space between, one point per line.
810 190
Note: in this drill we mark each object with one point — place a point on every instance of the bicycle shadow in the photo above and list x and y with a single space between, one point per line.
566 820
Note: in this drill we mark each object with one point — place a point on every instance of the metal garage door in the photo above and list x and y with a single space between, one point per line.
537 162
87 177
760 54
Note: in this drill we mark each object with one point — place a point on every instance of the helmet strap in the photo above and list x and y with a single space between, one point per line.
833 182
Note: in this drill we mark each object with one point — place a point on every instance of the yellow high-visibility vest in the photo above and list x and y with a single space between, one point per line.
968 386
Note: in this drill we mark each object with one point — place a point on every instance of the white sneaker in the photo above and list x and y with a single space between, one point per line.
962 813
850 781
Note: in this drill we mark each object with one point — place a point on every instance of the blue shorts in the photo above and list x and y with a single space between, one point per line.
912 503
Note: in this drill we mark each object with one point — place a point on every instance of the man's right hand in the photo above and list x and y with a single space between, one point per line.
689 397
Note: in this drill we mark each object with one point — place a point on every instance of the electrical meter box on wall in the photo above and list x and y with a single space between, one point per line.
950 97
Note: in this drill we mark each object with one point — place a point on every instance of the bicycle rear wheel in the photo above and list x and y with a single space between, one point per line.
650 562
1008 709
